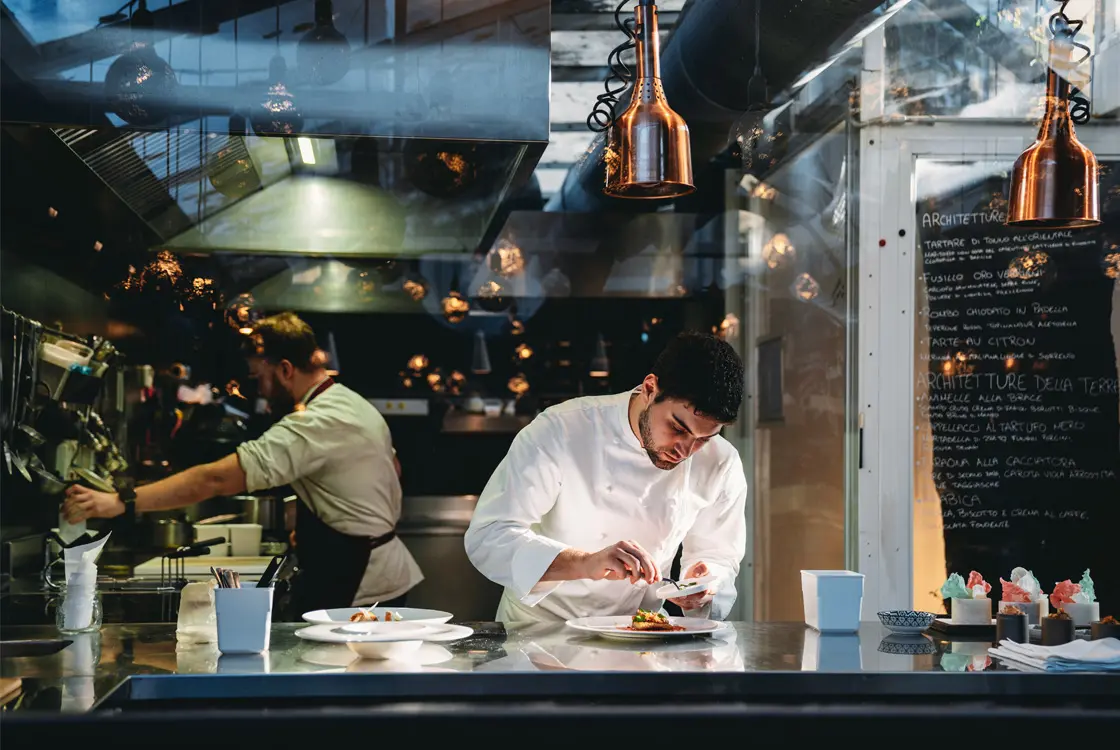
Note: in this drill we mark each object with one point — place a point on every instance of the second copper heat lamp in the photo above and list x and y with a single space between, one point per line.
1055 183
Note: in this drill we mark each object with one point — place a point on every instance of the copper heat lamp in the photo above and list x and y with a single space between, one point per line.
1055 182
648 151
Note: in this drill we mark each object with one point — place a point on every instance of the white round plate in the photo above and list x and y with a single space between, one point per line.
341 659
408 614
669 591
615 627
335 633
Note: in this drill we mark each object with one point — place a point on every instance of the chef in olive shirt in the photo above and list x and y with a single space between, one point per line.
334 449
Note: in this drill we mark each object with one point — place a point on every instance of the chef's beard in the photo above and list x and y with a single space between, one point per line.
280 402
648 445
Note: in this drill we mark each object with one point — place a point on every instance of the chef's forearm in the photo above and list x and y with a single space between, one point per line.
569 565
198 483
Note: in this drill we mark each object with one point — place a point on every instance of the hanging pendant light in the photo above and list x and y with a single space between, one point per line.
752 140
1055 183
323 54
140 84
648 154
277 114
480 361
600 363
231 170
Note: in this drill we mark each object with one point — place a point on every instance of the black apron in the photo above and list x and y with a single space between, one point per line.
331 564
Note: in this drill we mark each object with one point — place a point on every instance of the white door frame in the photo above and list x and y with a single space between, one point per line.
887 247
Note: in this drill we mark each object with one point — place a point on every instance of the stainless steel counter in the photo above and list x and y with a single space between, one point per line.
139 662
776 682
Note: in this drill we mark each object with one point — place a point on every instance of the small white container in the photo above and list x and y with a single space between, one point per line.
244 619
245 539
833 600
1083 614
211 531
971 611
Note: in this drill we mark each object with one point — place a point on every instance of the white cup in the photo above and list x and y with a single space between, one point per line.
245 539
210 531
244 619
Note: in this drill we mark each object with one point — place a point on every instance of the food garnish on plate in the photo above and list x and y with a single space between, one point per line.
365 615
647 621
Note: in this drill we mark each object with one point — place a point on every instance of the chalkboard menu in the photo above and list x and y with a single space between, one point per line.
1016 400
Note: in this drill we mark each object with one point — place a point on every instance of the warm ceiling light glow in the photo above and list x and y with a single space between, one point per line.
97 246
52 212
518 385
417 290
245 331
455 308
778 251
306 150
806 287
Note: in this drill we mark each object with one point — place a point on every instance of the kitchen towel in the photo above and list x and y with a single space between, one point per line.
1076 656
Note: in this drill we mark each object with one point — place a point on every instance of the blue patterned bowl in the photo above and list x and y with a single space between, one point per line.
904 645
906 621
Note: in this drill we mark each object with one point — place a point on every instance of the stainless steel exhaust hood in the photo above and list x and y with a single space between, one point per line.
408 147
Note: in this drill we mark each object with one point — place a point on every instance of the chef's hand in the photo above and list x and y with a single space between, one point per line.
700 599
82 503
621 561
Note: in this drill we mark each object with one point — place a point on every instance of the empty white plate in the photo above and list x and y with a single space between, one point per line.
340 633
389 641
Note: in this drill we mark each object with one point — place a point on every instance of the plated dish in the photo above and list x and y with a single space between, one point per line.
400 614
630 627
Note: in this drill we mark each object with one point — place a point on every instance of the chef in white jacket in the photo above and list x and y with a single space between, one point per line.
586 512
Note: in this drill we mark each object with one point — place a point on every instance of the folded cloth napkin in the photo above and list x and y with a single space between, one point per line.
1076 656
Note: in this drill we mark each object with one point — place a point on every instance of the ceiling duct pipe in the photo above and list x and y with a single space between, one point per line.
705 67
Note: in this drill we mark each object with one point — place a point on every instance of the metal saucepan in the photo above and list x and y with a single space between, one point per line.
168 533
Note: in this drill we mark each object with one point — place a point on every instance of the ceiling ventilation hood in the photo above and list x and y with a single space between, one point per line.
434 120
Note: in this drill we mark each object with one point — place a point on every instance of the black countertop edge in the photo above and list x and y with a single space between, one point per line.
993 685
545 724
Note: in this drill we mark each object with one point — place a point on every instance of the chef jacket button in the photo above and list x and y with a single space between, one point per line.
610 488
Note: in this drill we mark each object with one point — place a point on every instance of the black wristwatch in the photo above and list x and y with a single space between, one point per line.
127 496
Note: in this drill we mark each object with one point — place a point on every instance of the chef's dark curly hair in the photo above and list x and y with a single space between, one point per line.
284 336
703 371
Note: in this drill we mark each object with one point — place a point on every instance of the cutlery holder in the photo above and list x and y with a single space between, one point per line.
244 619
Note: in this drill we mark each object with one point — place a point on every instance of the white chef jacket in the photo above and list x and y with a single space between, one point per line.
337 455
577 476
